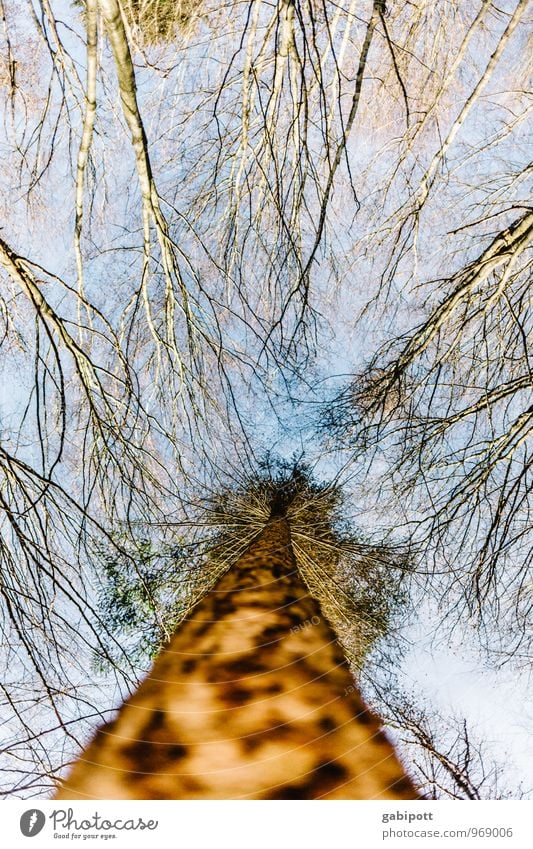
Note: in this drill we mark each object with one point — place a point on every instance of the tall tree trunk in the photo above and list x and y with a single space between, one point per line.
252 699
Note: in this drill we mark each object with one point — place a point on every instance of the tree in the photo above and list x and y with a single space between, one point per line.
438 417
446 760
253 698
448 403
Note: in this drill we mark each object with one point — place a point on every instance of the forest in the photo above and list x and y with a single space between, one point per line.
258 245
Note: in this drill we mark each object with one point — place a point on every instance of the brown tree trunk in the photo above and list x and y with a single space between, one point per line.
251 699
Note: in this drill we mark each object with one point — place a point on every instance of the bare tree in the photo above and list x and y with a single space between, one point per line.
445 759
440 418
449 405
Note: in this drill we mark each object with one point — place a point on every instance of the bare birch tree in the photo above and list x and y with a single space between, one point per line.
442 411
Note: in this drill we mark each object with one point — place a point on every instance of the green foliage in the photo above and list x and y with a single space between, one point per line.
143 594
148 586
